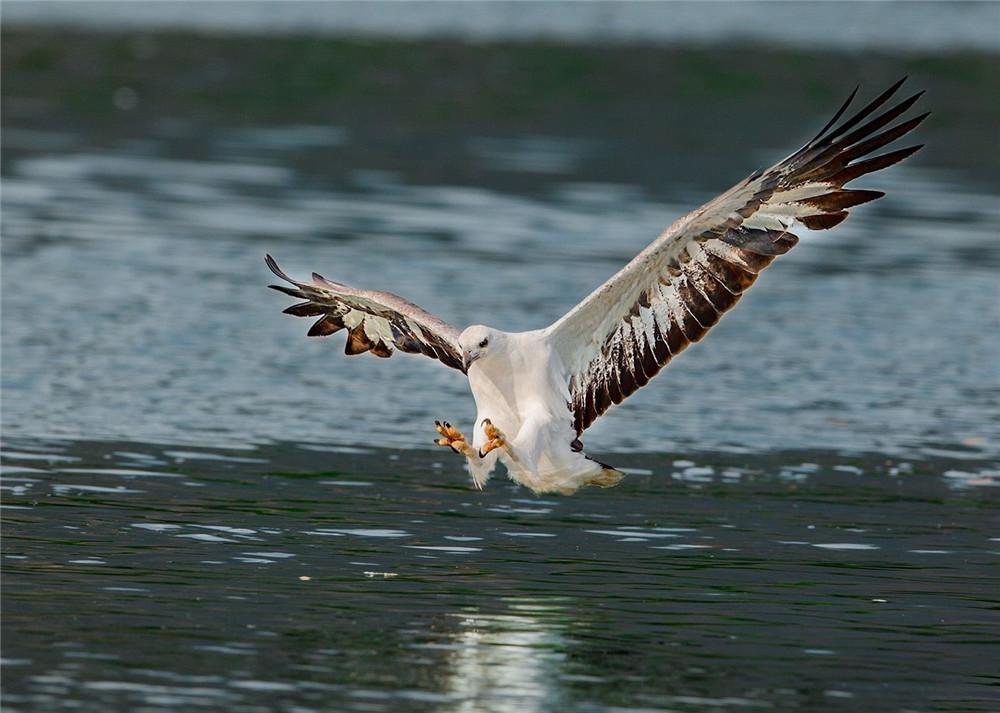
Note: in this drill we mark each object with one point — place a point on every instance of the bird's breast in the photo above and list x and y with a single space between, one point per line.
526 385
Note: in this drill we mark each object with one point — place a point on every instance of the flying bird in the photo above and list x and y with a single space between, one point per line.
537 392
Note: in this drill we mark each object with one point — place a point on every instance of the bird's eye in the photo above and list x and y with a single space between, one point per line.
483 343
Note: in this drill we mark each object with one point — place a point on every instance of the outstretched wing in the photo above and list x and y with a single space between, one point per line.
676 289
378 322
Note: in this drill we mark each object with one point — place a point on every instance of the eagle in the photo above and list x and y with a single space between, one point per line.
536 392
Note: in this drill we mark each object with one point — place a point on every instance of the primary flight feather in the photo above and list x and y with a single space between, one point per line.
536 392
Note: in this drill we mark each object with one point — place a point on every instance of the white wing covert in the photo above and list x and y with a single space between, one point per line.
377 322
675 290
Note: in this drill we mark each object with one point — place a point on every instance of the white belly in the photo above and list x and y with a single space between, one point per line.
527 399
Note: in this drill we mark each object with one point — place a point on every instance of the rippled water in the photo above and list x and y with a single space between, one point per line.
284 578
204 510
136 281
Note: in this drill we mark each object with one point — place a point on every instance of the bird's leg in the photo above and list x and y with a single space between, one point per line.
453 438
496 440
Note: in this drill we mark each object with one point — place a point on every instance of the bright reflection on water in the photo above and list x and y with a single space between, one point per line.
513 660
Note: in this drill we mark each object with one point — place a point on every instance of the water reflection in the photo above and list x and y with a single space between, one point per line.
510 663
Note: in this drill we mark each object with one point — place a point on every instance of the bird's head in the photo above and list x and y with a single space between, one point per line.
477 342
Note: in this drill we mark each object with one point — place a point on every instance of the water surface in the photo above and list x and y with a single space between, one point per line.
288 578
136 285
205 510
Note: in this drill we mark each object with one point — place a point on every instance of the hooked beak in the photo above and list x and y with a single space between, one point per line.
469 357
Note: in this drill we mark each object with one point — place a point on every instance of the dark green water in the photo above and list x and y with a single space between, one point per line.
204 510
293 578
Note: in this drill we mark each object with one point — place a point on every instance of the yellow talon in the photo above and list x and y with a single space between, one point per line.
496 438
491 431
451 437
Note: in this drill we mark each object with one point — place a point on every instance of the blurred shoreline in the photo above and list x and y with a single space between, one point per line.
872 25
652 101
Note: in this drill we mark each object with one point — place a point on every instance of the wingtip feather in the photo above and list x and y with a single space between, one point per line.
840 112
866 111
272 264
321 281
290 291
877 163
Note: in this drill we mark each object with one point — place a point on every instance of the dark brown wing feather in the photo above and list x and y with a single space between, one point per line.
377 322
673 292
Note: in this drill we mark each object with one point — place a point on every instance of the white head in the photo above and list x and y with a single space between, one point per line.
477 342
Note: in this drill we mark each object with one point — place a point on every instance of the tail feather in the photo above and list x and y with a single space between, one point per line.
609 476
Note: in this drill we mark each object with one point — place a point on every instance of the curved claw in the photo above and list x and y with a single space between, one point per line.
451 437
490 430
495 436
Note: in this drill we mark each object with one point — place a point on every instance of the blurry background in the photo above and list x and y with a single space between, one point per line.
204 508
493 162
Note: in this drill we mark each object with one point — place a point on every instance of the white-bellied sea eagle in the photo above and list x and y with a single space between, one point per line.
536 392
